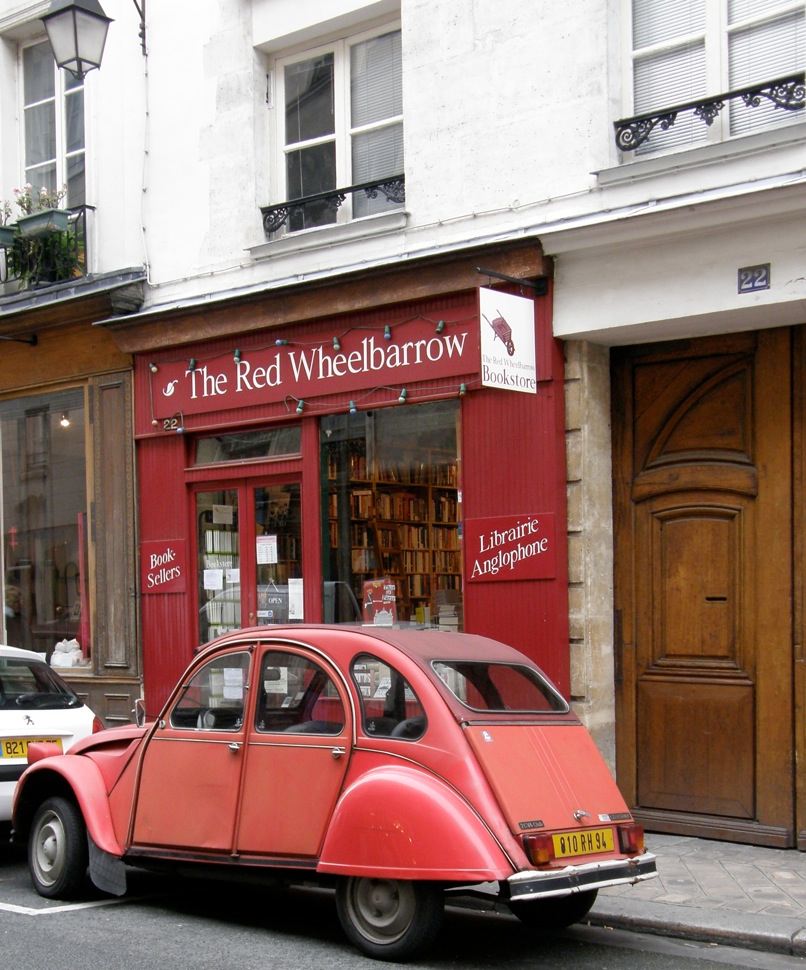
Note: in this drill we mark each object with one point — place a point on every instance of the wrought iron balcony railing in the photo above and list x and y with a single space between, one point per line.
321 207
784 92
56 256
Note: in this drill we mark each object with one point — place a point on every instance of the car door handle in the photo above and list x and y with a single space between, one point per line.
234 746
338 753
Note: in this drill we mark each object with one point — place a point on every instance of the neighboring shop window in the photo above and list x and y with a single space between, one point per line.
43 518
391 508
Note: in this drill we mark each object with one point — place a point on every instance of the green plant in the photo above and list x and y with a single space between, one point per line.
50 258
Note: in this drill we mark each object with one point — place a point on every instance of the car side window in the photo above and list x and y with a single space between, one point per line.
297 696
389 706
213 699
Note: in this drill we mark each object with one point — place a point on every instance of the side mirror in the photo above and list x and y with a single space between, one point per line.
140 711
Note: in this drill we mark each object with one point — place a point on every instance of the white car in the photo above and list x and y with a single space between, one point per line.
35 705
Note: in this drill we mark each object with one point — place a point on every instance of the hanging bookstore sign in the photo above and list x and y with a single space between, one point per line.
505 548
508 359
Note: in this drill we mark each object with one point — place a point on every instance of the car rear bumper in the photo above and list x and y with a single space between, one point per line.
542 884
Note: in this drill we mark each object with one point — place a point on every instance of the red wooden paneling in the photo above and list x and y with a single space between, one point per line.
513 448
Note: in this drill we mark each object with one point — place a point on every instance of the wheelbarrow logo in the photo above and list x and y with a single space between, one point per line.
502 331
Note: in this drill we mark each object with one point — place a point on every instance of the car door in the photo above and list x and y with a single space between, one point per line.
191 769
298 748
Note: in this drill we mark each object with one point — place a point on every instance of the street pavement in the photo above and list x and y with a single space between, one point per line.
716 892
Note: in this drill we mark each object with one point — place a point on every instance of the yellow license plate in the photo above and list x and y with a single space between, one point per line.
18 747
585 842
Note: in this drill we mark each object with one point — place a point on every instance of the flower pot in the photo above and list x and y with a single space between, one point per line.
43 221
6 236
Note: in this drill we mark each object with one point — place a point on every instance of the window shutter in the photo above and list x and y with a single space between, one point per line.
667 79
376 88
763 53
658 21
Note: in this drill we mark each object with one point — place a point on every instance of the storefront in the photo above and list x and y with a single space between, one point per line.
67 502
397 464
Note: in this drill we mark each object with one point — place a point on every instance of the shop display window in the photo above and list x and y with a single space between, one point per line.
392 516
43 519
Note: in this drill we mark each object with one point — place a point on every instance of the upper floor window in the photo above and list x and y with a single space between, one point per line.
685 50
53 125
341 121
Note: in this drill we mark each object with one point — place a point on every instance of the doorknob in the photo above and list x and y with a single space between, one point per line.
251 619
338 753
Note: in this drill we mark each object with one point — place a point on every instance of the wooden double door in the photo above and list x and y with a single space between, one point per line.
709 522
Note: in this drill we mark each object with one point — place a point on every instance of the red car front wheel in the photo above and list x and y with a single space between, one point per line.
57 850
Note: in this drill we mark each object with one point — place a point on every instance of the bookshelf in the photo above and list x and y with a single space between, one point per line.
401 519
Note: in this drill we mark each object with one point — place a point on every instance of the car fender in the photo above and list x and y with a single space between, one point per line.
401 822
73 775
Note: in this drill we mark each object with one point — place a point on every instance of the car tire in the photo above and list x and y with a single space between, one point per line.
554 913
57 850
389 919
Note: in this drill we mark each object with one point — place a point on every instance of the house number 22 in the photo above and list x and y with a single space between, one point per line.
752 278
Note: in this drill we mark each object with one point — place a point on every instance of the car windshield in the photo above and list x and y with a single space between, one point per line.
27 685
500 687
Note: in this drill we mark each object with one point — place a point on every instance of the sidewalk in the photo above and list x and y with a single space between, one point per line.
717 892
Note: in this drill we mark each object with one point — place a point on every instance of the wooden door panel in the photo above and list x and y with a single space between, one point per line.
696 743
703 516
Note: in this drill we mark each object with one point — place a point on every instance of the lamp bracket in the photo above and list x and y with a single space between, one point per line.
141 10
540 284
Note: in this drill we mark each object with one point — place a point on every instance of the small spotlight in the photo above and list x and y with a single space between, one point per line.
403 395
440 326
353 408
336 343
387 332
237 355
153 367
280 342
462 390
300 406
192 364
64 420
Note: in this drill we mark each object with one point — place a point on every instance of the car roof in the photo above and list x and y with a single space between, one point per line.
18 652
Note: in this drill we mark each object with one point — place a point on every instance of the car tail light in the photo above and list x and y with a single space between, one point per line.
539 848
631 838
97 725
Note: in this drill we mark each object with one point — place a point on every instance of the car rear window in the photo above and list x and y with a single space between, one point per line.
499 687
30 685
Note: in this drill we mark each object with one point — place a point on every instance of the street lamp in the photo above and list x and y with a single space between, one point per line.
77 33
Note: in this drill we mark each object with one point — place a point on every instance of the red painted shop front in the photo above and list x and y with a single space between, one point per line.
396 465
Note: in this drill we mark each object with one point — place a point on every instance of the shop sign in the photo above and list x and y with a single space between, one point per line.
504 548
163 566
395 354
507 324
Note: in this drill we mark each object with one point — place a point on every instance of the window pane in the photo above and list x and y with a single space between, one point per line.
739 10
391 516
43 514
309 99
498 687
376 154
297 697
762 54
389 706
76 187
40 134
267 443
308 171
376 90
219 578
38 73
214 698
74 120
42 175
655 21
664 80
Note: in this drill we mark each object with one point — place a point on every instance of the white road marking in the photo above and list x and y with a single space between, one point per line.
68 907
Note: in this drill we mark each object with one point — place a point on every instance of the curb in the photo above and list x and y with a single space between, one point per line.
753 931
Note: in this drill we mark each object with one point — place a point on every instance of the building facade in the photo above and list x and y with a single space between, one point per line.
308 190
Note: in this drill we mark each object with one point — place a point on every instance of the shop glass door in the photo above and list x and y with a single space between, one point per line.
249 557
